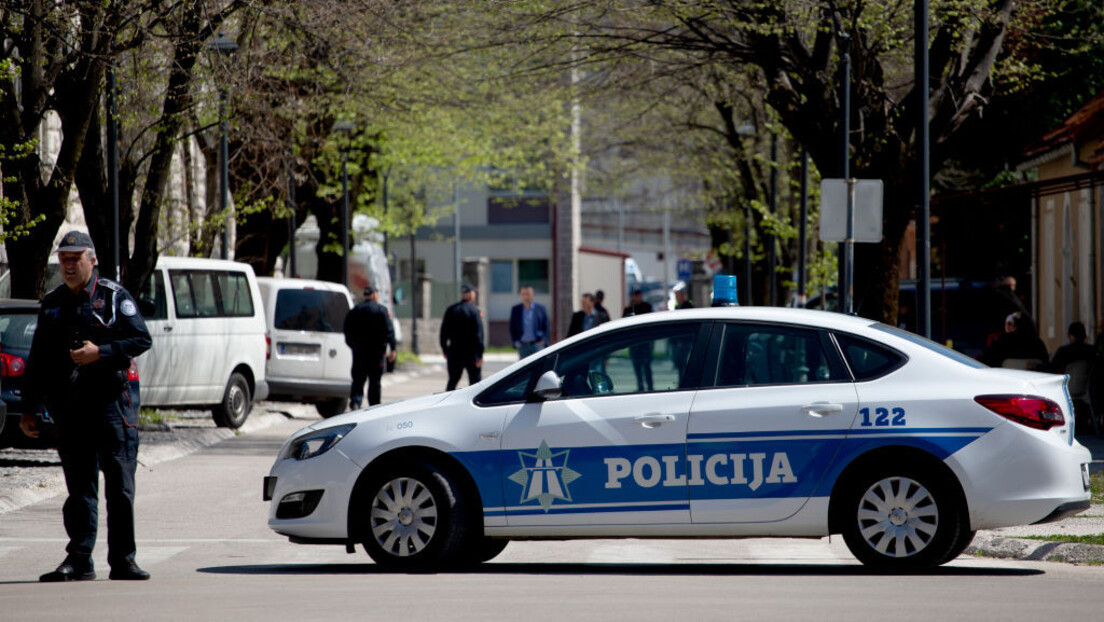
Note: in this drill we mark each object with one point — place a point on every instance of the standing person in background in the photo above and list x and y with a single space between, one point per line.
462 339
641 354
369 332
528 324
585 319
89 330
1078 349
599 310
682 298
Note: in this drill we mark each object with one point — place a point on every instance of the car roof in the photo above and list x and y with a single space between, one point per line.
811 317
18 304
290 283
201 263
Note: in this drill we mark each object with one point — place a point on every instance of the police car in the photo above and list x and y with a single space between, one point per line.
735 422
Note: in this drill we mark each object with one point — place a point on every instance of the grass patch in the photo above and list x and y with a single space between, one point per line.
406 356
148 416
499 350
1096 485
1097 539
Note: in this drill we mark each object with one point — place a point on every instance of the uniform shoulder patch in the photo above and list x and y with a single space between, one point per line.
109 284
128 308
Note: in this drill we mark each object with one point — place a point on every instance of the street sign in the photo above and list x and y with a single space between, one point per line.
867 210
685 269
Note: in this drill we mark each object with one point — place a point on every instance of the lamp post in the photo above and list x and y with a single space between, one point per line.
346 127
224 46
292 271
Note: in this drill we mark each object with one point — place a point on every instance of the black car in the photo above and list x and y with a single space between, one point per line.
18 320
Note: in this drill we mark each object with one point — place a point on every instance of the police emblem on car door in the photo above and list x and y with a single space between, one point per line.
612 448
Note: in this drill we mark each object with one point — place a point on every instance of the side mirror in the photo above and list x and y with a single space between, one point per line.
548 386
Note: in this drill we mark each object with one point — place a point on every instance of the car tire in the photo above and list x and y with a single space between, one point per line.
412 517
485 549
965 537
901 519
236 403
331 408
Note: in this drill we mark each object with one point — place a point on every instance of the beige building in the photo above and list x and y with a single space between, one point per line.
1067 220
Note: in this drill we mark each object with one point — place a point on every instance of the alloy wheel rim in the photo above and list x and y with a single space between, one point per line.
898 517
404 517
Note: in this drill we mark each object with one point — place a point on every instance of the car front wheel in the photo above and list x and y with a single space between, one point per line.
412 518
900 519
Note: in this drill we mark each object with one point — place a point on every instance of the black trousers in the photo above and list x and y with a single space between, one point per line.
365 368
456 366
88 443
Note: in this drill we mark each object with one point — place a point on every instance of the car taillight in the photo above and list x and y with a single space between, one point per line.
268 347
132 371
1034 412
11 365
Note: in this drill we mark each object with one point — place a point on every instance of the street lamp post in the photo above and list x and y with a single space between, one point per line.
224 46
346 127
113 166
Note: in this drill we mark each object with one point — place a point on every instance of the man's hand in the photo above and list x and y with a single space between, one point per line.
87 353
391 356
479 362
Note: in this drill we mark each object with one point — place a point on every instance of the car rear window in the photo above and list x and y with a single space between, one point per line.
954 355
868 360
316 310
17 330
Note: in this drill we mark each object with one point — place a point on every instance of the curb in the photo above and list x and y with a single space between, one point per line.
989 545
147 457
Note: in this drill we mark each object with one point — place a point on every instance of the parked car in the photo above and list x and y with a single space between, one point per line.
308 360
208 328
753 422
18 321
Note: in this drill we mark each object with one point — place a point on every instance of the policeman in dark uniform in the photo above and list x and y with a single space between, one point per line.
462 338
641 354
369 332
88 331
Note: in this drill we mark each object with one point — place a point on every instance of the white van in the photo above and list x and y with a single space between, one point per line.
308 360
208 329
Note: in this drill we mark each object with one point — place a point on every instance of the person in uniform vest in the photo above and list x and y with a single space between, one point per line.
369 332
641 354
89 330
462 339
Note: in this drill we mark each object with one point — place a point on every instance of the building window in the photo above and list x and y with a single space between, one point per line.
534 273
404 268
502 276
517 210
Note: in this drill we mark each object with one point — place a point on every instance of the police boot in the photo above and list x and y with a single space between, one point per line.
70 570
129 571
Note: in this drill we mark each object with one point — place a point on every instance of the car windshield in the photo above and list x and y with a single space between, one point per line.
929 345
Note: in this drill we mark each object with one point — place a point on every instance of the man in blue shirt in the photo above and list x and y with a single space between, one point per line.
528 324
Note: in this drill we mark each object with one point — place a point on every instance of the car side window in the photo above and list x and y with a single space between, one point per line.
234 296
152 298
512 390
868 360
643 360
753 355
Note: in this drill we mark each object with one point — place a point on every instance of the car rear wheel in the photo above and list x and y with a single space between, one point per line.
331 408
901 519
412 518
236 403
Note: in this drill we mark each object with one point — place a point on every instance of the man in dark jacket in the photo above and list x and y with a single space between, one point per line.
462 339
88 331
369 332
529 330
585 319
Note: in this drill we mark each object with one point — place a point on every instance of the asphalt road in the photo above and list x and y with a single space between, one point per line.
203 535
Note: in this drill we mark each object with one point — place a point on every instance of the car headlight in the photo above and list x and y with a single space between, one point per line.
316 442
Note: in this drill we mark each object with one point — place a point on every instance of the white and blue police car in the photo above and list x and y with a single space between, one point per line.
710 423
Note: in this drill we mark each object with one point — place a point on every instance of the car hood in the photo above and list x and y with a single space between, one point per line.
412 404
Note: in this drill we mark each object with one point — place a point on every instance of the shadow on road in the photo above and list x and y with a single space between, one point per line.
711 569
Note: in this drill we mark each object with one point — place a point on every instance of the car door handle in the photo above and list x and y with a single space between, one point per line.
654 420
168 329
819 409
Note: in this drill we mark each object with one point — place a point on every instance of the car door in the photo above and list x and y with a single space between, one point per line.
761 438
156 365
611 450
